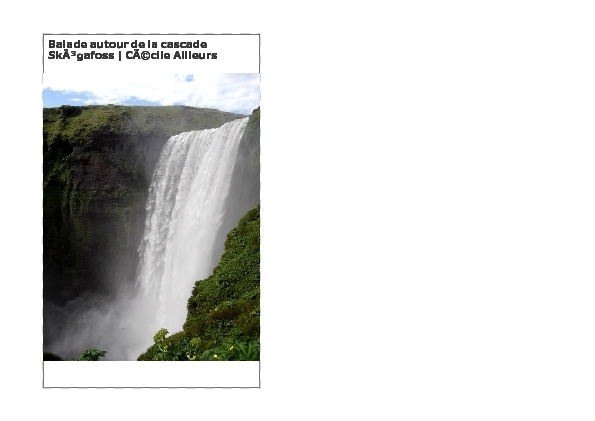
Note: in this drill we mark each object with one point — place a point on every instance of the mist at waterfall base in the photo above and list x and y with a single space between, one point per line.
193 202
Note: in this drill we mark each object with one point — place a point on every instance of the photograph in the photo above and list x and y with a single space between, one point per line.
151 217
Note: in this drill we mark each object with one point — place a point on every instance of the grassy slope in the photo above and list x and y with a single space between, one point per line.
224 309
80 125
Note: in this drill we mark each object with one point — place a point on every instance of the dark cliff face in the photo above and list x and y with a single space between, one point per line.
97 167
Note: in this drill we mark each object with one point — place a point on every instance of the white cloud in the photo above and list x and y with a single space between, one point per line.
235 92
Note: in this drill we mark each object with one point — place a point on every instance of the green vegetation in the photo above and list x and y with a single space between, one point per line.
87 355
223 317
254 120
91 355
239 351
176 349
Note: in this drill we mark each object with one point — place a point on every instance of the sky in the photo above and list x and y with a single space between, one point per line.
232 92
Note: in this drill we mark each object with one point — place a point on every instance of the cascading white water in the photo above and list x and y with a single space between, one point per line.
185 209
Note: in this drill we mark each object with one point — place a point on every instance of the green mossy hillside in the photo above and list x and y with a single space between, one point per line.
81 126
224 309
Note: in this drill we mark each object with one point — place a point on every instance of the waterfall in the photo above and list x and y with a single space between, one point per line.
188 214
185 209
